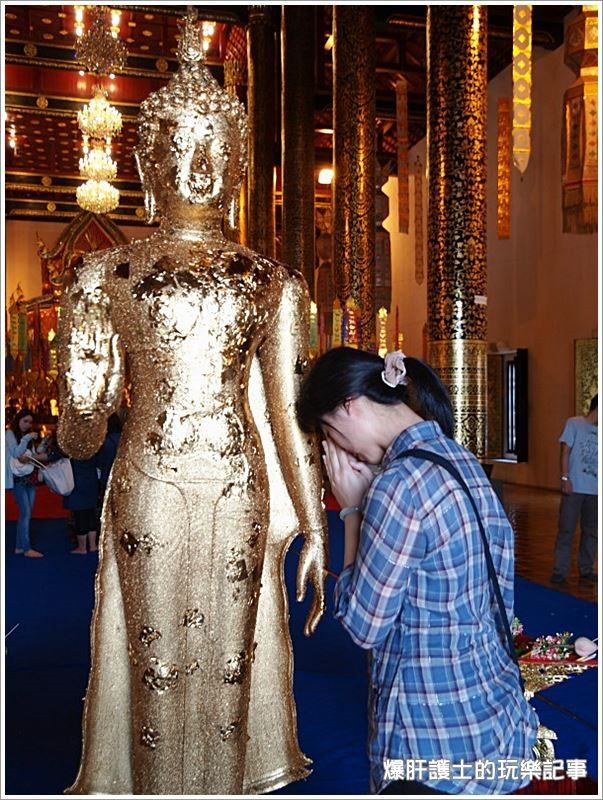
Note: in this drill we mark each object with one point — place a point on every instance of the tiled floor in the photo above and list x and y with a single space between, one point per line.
533 514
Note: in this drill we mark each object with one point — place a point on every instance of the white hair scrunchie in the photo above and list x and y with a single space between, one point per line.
394 373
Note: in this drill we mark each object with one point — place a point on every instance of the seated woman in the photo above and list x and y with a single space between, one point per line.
415 588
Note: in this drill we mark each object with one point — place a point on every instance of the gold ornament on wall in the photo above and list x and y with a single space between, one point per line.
579 154
586 377
522 85
337 317
503 172
382 331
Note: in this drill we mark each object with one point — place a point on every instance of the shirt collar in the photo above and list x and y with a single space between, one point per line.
411 437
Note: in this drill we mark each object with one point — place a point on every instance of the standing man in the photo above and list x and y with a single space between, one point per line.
579 495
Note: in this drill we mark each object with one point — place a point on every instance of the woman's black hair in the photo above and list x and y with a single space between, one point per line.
344 373
25 412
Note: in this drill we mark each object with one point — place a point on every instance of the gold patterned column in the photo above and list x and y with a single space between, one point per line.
402 150
297 48
580 124
456 136
354 144
419 241
261 116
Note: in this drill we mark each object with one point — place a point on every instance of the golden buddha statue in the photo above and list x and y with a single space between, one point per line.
190 690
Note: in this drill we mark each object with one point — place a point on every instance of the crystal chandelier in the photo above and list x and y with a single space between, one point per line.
100 197
99 121
99 50
97 165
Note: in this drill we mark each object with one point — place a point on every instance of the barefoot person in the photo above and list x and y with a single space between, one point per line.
19 440
83 503
415 587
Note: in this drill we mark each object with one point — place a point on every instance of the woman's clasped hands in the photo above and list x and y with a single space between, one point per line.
349 478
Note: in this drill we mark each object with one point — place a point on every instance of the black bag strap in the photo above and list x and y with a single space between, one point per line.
428 455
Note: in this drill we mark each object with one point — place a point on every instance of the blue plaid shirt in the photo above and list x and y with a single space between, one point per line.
443 687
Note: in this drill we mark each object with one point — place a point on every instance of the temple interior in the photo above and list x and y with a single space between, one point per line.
432 173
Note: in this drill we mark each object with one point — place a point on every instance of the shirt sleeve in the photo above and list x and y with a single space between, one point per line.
369 594
15 449
568 436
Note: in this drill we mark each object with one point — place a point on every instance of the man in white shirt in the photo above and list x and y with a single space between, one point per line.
579 461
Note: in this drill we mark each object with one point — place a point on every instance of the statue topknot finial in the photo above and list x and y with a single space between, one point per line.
190 47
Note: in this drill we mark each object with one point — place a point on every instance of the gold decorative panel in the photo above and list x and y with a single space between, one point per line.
586 373
579 150
494 406
522 85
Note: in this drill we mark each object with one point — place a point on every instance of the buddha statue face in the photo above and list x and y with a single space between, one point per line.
195 159
192 150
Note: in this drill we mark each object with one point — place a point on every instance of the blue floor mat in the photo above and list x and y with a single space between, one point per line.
47 665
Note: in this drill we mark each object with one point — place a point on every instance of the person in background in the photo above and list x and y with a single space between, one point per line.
82 502
106 455
19 440
579 475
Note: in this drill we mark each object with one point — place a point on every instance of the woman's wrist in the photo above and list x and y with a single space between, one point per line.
352 538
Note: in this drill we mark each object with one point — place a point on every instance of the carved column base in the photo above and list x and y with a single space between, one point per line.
462 367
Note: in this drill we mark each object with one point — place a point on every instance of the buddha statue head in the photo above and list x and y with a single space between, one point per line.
192 150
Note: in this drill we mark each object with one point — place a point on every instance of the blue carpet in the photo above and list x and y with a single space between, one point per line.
47 665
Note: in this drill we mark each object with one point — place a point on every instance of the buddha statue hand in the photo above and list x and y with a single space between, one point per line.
90 350
312 567
95 379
